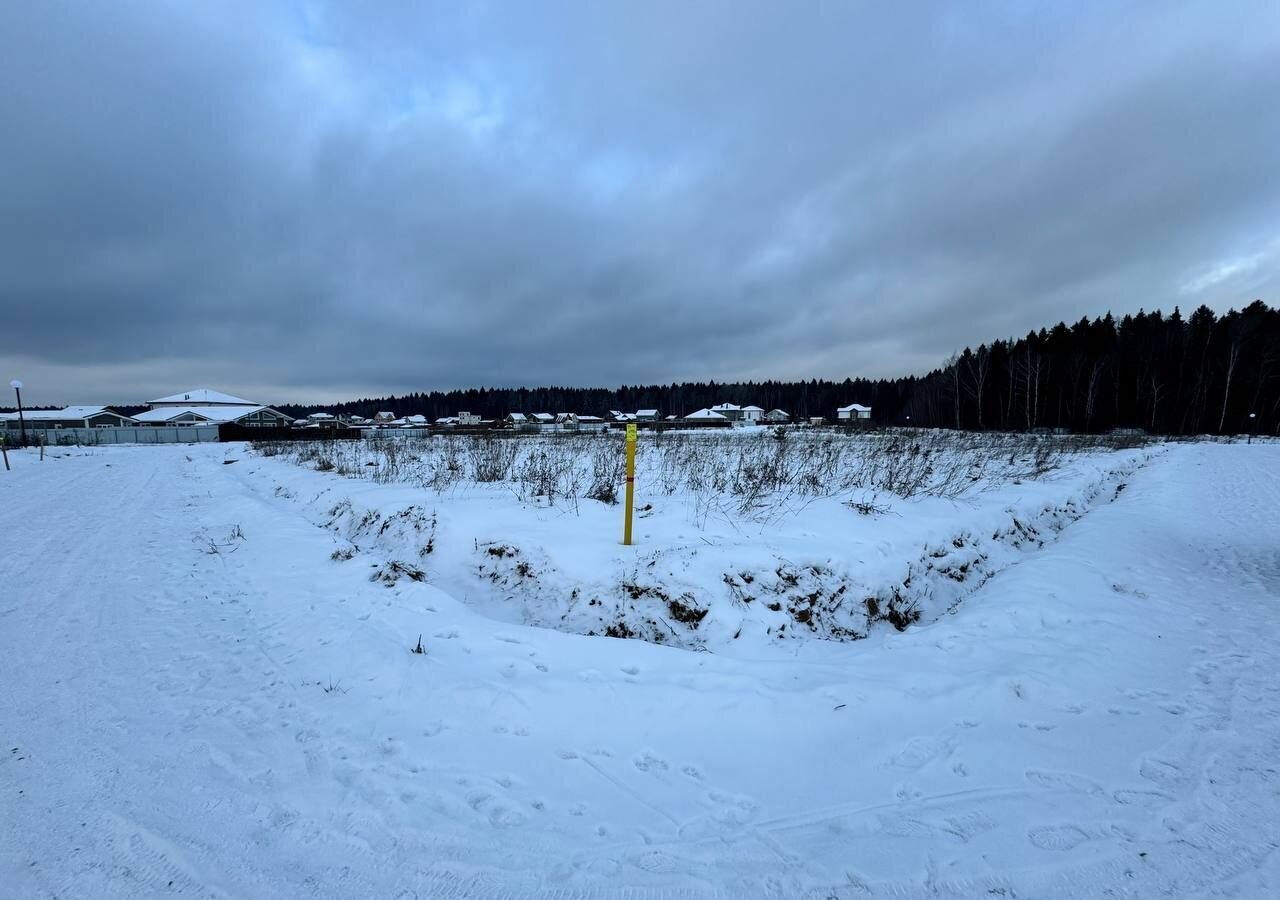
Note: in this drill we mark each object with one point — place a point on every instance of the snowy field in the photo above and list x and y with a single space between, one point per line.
1012 674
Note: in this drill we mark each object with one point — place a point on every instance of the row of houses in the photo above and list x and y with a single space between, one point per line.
203 406
196 407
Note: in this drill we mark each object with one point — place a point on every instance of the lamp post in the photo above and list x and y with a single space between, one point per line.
22 424
1252 416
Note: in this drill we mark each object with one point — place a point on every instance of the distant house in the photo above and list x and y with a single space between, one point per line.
707 415
752 414
466 418
418 421
776 417
646 415
252 415
197 397
70 417
853 412
321 420
544 418
202 406
730 411
384 418
517 419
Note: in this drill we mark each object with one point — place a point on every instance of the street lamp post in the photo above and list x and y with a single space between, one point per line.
1252 416
22 423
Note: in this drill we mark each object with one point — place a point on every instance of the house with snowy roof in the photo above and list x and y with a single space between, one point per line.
202 406
68 417
707 415
853 412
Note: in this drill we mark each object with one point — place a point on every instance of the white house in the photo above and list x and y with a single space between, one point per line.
202 406
467 418
517 419
752 414
418 421
70 417
853 412
777 417
730 411
707 415
646 415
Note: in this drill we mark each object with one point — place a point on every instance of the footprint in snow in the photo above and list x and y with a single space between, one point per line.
631 670
693 772
1162 772
918 752
1058 838
647 762
505 817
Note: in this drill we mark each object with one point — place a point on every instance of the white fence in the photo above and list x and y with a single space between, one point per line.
92 437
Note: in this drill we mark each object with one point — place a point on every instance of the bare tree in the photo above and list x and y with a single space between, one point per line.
979 365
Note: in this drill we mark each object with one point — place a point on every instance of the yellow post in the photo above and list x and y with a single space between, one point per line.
631 482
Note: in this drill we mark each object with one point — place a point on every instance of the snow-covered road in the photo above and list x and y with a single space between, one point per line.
195 701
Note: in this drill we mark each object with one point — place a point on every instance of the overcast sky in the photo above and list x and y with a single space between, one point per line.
313 201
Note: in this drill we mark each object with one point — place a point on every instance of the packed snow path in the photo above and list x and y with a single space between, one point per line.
195 701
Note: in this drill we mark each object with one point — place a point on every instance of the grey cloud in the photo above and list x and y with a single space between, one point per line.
318 200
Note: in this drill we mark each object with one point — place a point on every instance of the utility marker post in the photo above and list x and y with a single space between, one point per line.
631 483
22 424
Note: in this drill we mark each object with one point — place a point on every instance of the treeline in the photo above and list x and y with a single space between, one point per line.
1163 374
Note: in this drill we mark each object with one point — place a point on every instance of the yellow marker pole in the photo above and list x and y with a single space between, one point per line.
631 483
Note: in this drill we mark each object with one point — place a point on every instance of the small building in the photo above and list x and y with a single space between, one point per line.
777 417
646 415
321 420
730 411
384 418
516 419
468 418
69 417
418 421
707 415
752 414
544 418
853 412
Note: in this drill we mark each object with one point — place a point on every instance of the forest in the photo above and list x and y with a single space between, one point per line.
1164 374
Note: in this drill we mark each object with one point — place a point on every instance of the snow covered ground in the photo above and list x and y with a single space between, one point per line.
197 699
